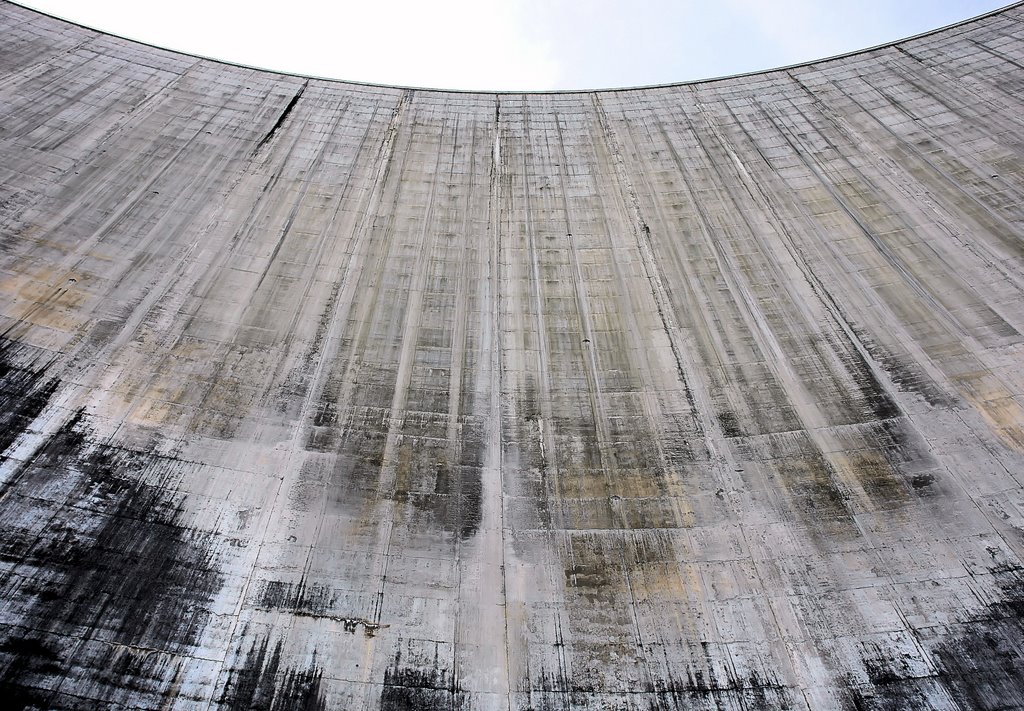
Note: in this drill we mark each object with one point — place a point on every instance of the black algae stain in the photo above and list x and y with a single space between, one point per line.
24 393
97 563
27 656
300 598
877 398
700 689
871 401
261 684
305 599
421 686
922 481
907 375
730 424
442 490
979 665
983 668
470 482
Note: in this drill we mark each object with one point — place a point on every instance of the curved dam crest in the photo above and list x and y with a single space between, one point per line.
319 395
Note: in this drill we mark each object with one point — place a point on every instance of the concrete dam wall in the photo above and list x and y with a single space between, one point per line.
318 395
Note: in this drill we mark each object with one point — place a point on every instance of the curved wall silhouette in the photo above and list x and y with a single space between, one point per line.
324 395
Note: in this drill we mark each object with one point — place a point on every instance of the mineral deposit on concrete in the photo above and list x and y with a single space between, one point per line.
316 395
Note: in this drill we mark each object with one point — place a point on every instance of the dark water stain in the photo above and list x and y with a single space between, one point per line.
730 424
465 479
907 375
879 480
325 428
810 487
879 402
922 481
695 689
439 487
24 392
13 206
702 690
889 691
262 683
980 665
437 481
892 463
420 684
748 398
983 668
28 656
598 582
907 453
296 388
98 560
304 599
843 383
814 490
301 598
340 423
439 497
878 467
470 501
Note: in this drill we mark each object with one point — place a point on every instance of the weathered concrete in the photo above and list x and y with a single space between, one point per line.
319 395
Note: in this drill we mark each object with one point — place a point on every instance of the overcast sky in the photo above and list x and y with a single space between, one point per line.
518 44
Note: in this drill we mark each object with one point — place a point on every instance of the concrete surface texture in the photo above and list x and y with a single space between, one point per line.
326 396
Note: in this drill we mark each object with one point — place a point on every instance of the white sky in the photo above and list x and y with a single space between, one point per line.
517 44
